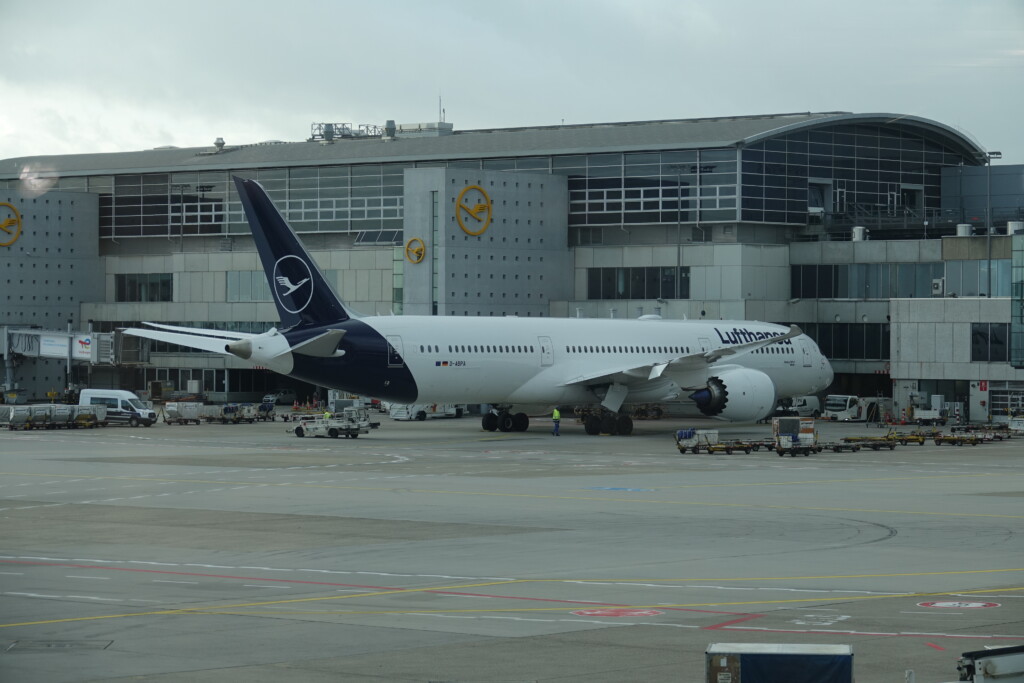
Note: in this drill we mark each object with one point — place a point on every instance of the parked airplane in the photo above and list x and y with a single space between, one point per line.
734 370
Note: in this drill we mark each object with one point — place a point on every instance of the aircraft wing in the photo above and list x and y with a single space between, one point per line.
193 337
679 365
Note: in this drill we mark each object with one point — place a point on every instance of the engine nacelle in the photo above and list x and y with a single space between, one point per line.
737 395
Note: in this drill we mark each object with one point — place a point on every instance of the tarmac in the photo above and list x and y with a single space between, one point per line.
435 551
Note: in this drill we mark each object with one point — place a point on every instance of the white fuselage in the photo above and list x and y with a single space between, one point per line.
561 360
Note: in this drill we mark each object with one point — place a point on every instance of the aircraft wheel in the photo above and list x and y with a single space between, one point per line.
300 432
592 425
609 425
625 425
505 422
489 422
520 422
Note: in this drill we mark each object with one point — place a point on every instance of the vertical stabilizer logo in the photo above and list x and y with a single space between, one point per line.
293 283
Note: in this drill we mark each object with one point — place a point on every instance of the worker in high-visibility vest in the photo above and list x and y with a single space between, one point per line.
556 418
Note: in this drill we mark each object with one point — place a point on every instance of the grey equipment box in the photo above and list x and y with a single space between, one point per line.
778 663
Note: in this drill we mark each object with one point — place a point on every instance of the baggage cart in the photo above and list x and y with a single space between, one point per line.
182 412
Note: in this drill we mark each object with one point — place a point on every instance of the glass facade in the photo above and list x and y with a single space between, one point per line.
143 287
650 187
364 199
842 170
1017 303
899 280
850 341
989 342
651 282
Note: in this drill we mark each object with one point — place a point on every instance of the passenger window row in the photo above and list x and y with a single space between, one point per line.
628 349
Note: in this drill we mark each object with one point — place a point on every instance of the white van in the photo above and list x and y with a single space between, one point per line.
807 406
122 406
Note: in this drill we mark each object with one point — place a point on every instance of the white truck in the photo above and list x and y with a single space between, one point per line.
931 414
421 411
846 408
350 423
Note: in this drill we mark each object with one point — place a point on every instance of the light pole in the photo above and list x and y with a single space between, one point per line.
989 156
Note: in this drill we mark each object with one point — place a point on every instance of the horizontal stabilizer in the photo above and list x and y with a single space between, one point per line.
223 334
321 346
194 341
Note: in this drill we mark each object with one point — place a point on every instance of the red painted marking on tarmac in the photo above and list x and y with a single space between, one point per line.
328 583
727 624
935 647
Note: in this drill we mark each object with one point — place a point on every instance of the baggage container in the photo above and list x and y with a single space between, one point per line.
182 412
778 663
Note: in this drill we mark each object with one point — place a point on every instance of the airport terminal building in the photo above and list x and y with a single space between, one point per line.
888 238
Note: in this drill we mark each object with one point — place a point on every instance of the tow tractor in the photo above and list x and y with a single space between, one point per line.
350 423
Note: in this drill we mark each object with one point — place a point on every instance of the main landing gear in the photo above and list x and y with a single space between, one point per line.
500 419
603 422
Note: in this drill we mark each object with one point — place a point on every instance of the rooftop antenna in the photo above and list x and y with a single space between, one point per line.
440 110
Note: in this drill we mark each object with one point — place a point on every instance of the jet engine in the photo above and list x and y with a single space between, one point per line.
737 395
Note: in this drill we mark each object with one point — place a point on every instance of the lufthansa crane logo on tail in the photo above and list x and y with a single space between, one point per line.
293 283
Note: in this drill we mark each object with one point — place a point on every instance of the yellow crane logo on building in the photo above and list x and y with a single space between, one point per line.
10 224
473 210
415 250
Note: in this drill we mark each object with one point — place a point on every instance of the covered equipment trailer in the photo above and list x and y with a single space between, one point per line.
778 663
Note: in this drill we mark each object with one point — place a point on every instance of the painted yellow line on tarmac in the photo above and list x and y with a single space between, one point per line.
534 496
234 610
206 610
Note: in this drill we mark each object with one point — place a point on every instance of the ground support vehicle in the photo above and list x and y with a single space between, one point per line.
350 423
875 444
913 437
839 446
229 413
991 432
123 407
265 412
88 417
299 415
732 446
794 436
421 411
958 439
182 412
696 440
771 662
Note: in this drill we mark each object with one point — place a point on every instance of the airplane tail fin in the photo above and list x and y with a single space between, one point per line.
301 293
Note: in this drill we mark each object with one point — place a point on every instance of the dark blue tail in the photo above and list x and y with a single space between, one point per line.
301 294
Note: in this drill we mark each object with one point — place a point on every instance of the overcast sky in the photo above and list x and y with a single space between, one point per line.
112 75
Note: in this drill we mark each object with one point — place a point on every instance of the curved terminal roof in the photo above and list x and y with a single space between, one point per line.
498 142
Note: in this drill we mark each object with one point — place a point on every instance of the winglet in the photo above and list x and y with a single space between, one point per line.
301 293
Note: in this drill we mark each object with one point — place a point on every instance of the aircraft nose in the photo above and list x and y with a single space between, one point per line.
827 375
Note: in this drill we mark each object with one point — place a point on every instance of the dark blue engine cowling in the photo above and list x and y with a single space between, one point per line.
737 395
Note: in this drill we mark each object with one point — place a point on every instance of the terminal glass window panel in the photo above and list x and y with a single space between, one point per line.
1017 302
